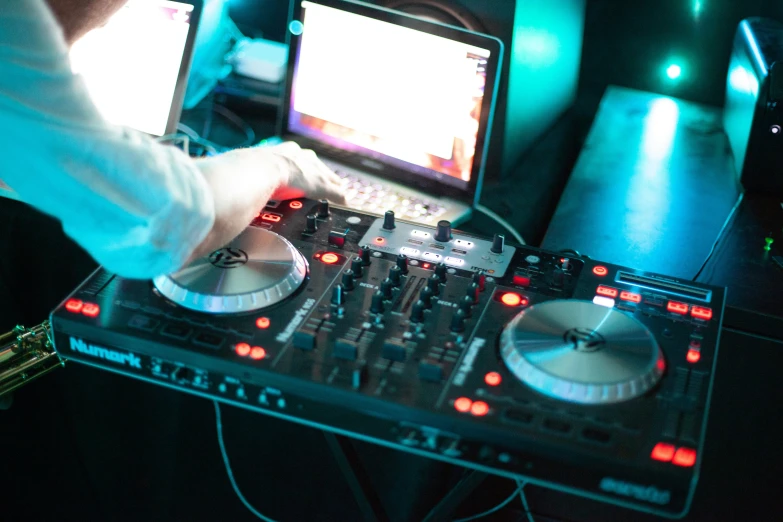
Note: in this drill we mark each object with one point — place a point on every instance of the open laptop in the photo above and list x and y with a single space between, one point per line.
136 66
398 106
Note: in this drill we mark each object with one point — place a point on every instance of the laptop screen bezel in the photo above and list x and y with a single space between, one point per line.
177 100
468 194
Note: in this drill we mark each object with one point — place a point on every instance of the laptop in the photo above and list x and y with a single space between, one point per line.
136 66
400 107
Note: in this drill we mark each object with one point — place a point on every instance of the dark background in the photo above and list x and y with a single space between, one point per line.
84 444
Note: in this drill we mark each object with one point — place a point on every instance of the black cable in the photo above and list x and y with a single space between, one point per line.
720 236
517 491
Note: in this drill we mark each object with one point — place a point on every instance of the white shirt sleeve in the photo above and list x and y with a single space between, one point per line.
138 207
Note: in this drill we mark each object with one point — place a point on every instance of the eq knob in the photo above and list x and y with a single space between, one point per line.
364 253
433 283
440 271
473 292
388 220
426 296
498 244
323 209
443 231
356 266
466 305
348 279
417 312
386 288
480 279
338 295
458 321
376 305
402 262
311 225
395 275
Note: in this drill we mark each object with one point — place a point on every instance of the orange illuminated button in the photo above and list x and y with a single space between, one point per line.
242 349
677 308
521 280
263 323
511 299
493 378
463 404
268 216
662 452
606 291
379 240
330 258
701 312
91 309
685 457
296 205
630 296
257 353
74 305
600 270
693 356
479 408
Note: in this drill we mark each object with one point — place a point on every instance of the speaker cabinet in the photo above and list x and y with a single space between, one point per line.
543 49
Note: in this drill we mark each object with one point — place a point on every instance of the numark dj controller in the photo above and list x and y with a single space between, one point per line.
564 371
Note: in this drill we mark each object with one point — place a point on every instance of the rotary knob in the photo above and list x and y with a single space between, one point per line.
356 266
443 231
348 279
311 224
458 321
433 283
386 288
395 275
364 253
376 305
466 305
426 296
498 244
440 270
402 262
323 209
480 279
581 352
473 292
417 312
388 220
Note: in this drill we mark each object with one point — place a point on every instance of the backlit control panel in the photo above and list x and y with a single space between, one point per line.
455 249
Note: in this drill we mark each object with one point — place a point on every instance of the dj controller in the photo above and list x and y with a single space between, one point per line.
569 373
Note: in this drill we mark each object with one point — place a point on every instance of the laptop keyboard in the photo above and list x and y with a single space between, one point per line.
378 198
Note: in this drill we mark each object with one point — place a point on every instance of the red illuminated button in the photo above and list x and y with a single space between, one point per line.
693 356
257 353
493 378
685 457
242 349
677 308
74 305
600 270
263 323
268 216
521 280
296 205
91 309
463 404
630 296
662 452
511 299
479 408
701 312
606 291
330 258
379 240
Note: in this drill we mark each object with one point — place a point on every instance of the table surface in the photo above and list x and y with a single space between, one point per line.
652 187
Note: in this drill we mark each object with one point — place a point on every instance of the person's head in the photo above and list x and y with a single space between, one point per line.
78 17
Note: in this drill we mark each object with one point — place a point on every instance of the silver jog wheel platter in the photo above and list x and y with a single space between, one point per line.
581 352
256 270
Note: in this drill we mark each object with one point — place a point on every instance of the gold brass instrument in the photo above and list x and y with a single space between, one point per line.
25 355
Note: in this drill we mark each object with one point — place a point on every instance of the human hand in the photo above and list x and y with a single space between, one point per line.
306 176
